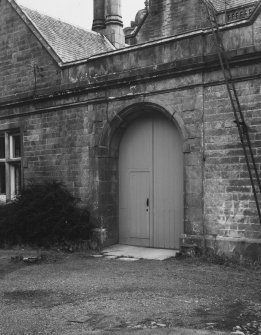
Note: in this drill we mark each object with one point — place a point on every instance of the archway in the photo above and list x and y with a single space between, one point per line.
151 182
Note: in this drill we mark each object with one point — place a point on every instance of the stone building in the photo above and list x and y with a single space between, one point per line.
142 132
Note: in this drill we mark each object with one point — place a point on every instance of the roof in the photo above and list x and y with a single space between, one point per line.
227 4
70 43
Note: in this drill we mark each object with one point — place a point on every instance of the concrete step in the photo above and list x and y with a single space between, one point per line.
120 250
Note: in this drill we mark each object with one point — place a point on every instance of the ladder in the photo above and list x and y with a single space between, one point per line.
238 114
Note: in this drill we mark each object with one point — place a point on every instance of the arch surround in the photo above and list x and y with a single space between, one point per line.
114 129
145 147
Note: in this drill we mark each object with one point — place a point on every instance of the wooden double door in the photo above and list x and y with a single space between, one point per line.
151 184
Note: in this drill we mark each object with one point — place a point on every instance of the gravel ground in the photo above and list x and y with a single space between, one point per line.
74 294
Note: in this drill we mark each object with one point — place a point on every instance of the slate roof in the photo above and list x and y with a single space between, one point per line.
70 43
220 4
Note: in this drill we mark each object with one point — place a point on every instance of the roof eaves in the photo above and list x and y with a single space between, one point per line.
208 30
85 59
38 34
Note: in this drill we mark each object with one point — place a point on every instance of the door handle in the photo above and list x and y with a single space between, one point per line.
148 202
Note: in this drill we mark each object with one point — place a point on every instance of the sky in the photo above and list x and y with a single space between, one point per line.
80 12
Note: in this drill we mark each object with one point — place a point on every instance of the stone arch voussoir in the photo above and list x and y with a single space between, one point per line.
114 130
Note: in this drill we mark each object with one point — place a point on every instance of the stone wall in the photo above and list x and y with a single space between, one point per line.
24 64
65 144
230 210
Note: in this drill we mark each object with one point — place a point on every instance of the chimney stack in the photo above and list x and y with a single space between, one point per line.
108 21
98 16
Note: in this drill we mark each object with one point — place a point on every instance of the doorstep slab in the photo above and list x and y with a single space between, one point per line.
128 259
120 250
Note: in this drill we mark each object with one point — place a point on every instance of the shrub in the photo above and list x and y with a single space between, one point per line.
43 215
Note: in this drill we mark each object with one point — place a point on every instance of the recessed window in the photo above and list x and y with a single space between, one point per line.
10 165
15 146
2 179
2 147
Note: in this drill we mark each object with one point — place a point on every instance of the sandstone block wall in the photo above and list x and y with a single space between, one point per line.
24 63
64 144
230 210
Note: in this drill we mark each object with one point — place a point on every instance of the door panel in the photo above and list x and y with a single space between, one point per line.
168 185
135 178
138 212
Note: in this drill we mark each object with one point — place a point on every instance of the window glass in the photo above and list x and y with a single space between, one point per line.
15 146
2 147
2 179
15 179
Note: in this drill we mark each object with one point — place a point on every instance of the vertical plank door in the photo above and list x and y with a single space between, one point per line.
135 180
168 184
151 184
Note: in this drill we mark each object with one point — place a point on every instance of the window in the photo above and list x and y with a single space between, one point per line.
10 165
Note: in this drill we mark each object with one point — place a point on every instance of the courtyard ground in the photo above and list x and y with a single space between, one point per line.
79 294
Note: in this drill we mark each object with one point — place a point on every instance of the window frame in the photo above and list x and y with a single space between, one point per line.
12 187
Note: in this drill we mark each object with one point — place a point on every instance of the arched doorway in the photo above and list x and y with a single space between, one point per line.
151 183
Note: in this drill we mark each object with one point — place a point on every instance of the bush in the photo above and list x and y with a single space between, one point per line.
43 215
